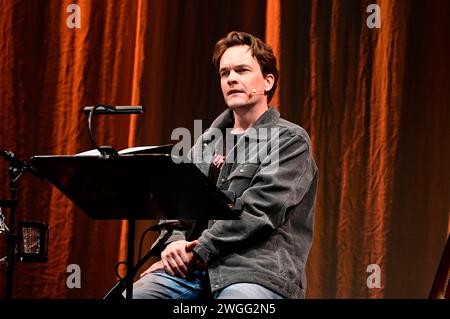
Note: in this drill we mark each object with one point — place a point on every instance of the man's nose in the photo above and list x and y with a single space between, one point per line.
232 77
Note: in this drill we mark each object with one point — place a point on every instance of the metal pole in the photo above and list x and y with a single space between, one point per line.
11 237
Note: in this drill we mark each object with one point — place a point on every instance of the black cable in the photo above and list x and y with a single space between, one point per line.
141 242
117 269
139 255
91 135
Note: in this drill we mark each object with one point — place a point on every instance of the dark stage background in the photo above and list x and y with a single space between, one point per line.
374 101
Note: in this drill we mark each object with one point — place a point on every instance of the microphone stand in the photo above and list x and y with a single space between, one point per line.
16 169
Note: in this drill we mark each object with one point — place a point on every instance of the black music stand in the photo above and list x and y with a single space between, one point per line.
136 186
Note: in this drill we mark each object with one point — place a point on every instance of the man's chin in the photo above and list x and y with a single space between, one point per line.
235 106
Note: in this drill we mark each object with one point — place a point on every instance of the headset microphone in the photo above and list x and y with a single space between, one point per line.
254 92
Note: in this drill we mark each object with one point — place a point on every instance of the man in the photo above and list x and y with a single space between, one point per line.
263 254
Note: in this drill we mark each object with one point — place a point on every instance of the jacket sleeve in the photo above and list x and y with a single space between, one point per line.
282 180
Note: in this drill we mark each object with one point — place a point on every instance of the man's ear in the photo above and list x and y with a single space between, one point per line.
269 80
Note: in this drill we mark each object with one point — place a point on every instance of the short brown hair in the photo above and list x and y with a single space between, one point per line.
261 51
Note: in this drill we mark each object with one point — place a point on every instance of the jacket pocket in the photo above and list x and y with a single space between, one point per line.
241 176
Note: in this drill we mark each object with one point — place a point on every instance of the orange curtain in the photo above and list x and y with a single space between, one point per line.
151 53
374 101
376 104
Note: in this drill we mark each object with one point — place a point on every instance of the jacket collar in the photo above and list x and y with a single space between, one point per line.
226 120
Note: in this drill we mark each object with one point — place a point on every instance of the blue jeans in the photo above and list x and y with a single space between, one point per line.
160 285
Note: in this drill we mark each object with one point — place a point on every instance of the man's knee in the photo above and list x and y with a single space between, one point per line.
246 291
159 285
150 286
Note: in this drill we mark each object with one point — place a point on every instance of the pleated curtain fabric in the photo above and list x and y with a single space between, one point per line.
375 102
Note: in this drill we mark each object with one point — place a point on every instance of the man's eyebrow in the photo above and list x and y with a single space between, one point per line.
243 65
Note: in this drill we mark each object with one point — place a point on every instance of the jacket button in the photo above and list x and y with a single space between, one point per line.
205 144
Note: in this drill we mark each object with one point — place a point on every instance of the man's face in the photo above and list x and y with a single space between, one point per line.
240 76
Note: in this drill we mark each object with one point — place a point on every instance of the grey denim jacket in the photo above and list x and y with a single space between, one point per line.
277 183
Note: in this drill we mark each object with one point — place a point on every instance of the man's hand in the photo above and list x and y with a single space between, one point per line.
176 259
154 267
